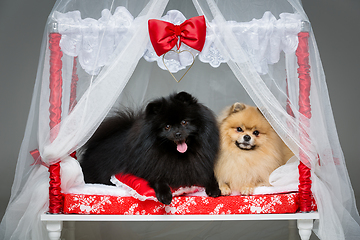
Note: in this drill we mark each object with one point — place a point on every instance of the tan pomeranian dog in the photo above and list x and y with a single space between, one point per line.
250 150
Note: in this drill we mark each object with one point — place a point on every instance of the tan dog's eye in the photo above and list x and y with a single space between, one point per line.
256 133
239 129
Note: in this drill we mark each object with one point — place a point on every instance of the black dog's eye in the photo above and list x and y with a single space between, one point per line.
239 129
256 133
184 122
167 127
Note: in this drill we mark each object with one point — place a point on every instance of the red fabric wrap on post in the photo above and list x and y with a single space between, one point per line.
55 195
55 83
302 54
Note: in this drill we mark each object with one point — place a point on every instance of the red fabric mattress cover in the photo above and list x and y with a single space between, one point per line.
182 205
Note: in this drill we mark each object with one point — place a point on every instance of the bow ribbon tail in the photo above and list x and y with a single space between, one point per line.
37 158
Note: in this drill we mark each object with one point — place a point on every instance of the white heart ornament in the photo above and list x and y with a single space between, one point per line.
179 52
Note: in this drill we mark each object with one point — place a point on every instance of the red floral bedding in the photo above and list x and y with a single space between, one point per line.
181 205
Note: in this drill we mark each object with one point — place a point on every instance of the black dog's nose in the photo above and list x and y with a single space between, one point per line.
247 138
177 135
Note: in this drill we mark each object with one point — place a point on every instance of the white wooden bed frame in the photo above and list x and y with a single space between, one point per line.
54 221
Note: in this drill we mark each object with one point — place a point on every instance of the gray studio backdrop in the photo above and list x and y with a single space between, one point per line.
337 30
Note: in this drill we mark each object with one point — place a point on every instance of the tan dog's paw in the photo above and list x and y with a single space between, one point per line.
225 190
247 190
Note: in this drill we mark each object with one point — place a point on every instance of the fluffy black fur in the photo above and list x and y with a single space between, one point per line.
144 144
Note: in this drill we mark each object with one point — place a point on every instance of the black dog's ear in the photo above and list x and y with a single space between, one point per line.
154 107
185 97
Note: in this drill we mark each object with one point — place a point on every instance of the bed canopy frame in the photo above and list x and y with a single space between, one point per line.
75 91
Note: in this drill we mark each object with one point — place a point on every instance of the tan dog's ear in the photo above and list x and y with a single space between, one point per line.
237 107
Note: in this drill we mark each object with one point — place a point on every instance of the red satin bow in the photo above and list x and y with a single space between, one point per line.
164 35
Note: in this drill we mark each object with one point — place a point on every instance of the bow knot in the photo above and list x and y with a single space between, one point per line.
164 35
177 30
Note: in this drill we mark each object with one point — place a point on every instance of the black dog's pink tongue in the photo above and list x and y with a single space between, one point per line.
181 146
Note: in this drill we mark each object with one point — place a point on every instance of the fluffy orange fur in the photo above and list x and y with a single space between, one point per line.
244 165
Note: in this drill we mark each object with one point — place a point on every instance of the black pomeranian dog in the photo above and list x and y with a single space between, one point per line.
172 143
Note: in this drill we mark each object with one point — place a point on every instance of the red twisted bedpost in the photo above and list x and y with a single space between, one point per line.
302 54
55 195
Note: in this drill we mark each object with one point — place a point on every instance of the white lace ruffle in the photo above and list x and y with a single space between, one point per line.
262 39
84 37
210 53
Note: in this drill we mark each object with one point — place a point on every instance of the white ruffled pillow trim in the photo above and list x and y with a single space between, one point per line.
262 39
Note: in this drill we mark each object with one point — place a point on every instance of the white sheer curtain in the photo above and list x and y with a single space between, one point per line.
331 186
30 189
124 78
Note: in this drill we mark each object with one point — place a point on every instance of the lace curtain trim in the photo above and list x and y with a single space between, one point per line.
94 41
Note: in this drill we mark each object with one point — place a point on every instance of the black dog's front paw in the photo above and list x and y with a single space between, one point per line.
163 193
164 198
213 191
212 188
